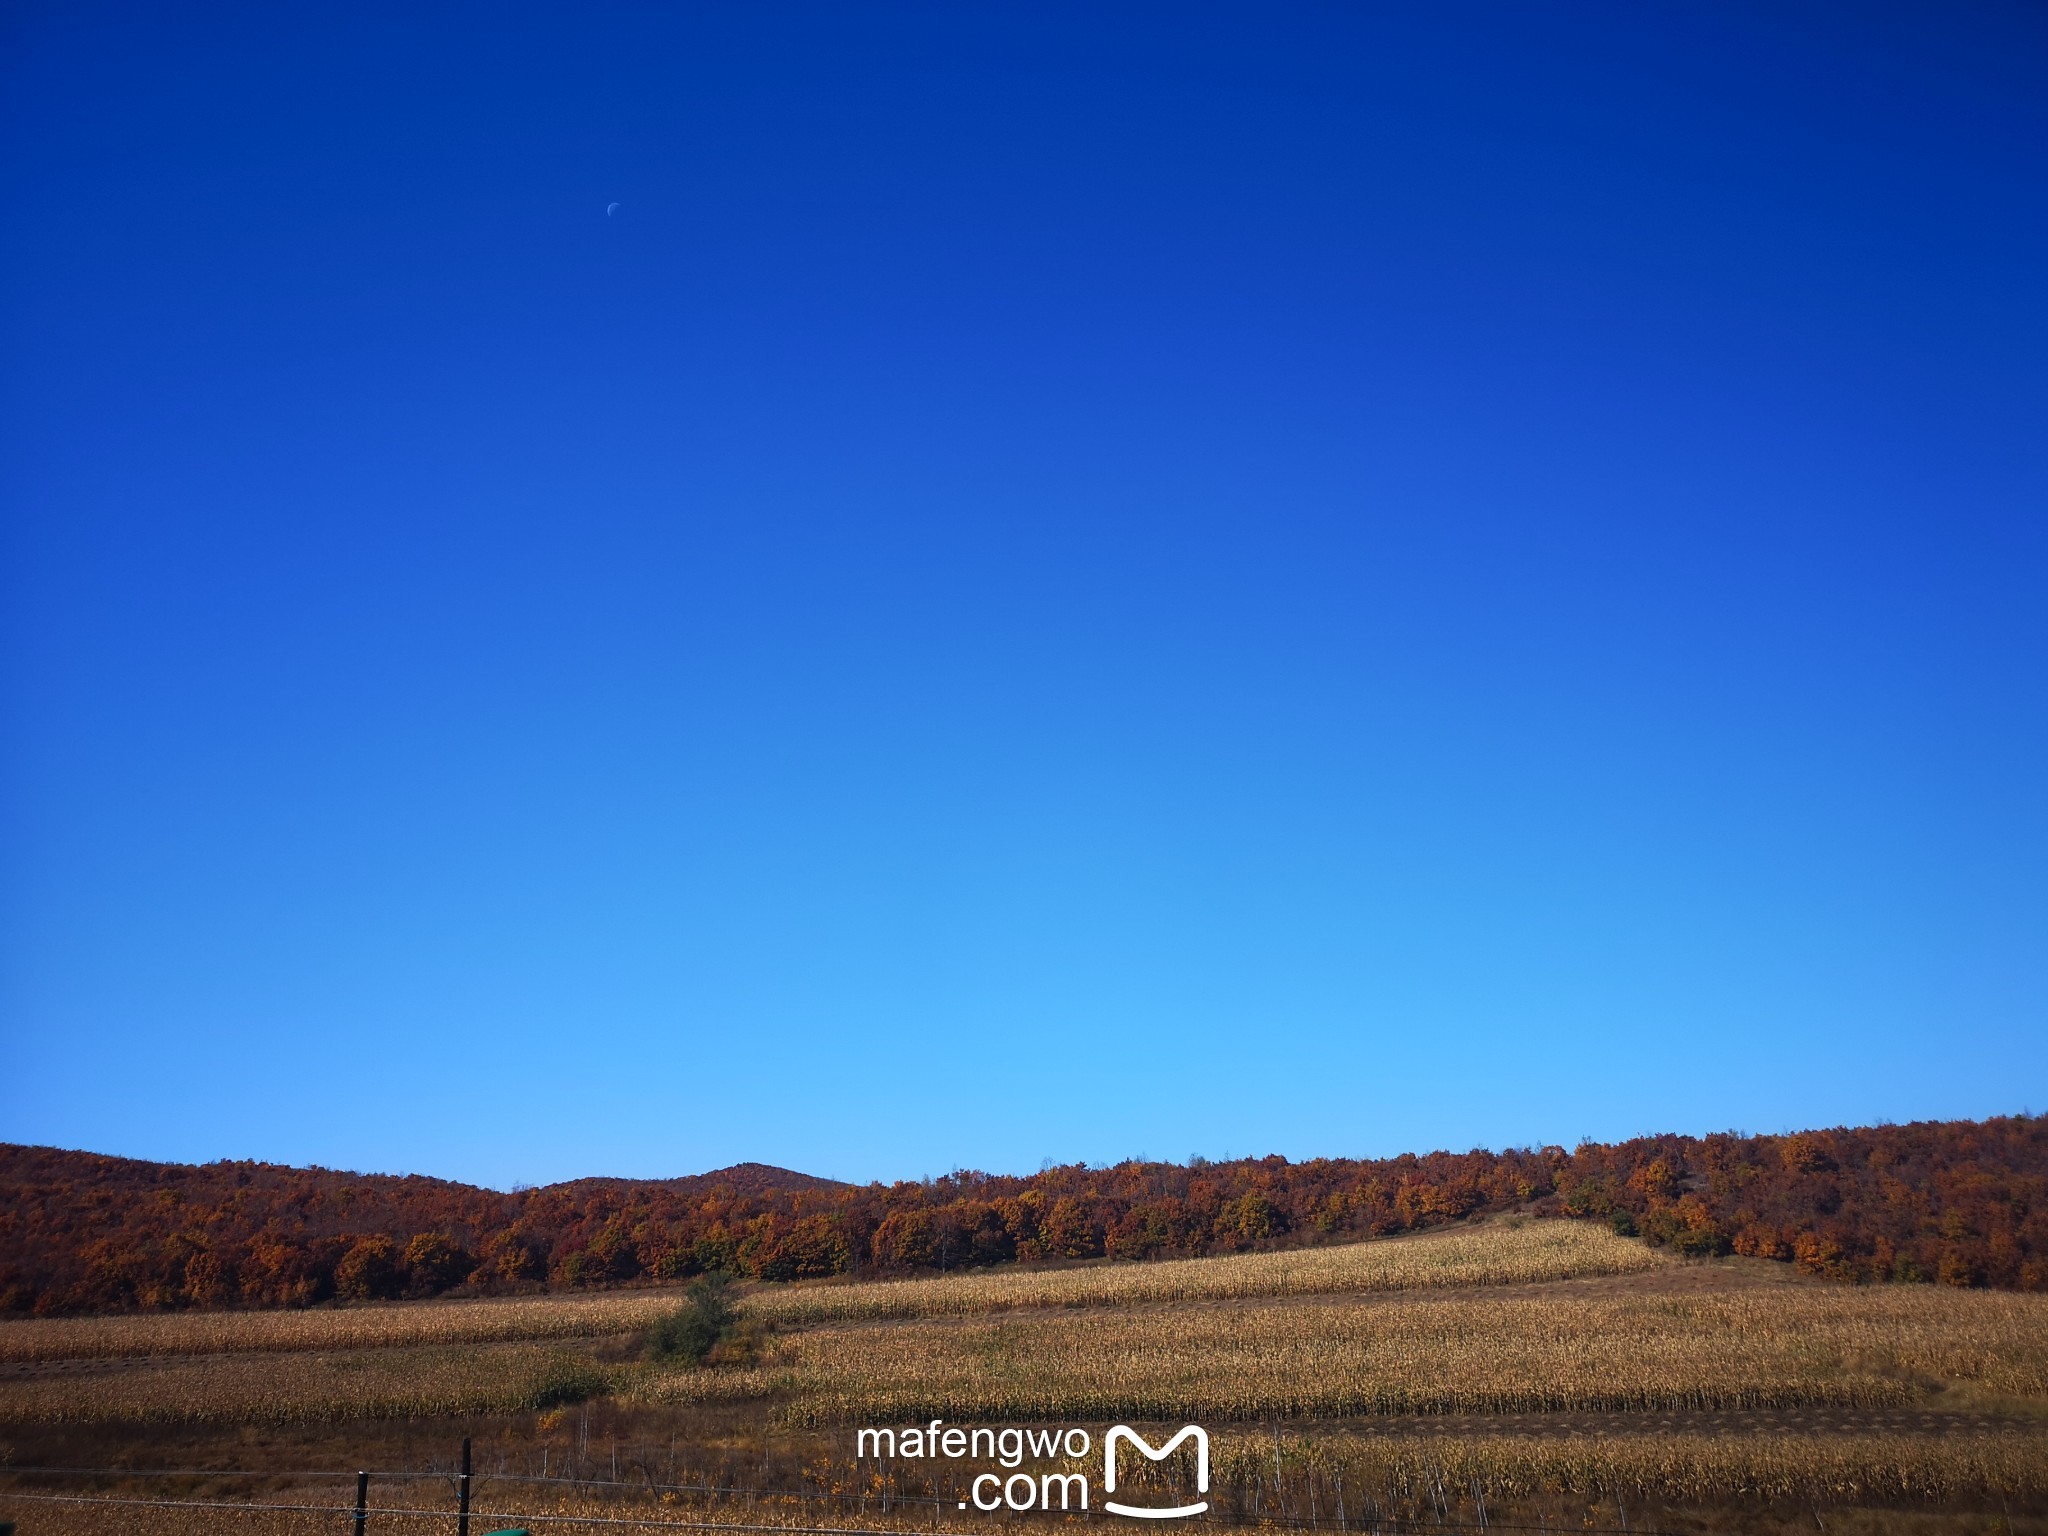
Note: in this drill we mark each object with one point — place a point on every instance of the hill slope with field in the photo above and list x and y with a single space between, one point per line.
1551 1368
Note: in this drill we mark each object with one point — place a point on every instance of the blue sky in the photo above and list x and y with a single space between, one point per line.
1053 582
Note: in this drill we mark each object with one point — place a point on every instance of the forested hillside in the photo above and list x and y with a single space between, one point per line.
1961 1202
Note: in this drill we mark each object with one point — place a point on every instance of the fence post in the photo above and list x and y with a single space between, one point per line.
362 1500
462 1494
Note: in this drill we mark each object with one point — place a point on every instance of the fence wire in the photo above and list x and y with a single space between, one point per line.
1384 1523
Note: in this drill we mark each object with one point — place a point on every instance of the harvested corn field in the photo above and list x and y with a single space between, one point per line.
390 1326
1502 1254
1497 1255
1564 1347
1557 1369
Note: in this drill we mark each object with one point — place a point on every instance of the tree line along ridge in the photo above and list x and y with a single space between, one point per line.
1956 1202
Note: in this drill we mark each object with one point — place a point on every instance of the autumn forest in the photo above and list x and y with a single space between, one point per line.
1959 1203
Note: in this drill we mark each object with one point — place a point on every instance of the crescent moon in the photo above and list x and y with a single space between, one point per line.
608 207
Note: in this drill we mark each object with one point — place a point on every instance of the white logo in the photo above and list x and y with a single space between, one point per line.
1124 1432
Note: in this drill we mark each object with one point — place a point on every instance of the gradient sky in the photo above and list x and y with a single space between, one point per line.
1056 581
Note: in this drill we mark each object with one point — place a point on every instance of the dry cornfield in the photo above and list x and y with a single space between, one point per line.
1256 1338
1543 1349
387 1326
310 1387
1392 1367
1673 1467
1497 1254
1493 1255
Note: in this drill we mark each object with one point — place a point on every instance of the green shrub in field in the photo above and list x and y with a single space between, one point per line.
688 1335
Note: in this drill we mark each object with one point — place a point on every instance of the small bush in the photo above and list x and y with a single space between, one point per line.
567 1381
688 1335
1624 1224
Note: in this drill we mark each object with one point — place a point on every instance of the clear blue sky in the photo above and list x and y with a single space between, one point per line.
1054 581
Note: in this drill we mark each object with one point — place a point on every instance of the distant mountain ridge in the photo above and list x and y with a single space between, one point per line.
21 1163
748 1178
1961 1202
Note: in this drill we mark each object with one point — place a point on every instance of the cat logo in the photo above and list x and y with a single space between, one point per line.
1124 1432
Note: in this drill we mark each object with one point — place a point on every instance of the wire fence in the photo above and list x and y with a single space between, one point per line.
1376 1525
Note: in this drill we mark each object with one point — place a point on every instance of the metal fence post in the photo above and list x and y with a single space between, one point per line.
362 1500
462 1493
